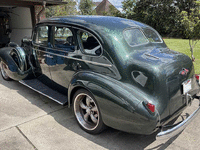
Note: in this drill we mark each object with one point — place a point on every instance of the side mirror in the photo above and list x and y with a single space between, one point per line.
26 41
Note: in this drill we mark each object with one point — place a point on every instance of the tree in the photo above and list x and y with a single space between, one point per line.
86 7
128 8
62 10
164 16
160 14
191 22
185 5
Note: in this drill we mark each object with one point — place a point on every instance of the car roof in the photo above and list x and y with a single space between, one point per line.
94 21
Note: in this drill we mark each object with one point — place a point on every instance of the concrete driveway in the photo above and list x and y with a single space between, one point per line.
31 121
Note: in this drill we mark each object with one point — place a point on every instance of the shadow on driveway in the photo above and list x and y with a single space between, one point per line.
109 139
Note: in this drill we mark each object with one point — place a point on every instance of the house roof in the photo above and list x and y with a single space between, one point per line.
104 6
96 3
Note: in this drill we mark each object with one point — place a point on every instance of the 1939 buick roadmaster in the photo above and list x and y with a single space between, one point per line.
112 71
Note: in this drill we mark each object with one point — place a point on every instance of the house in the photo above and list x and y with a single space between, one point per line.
104 7
21 17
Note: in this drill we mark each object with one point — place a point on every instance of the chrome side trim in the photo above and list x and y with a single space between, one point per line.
40 92
87 61
52 48
151 56
49 56
177 129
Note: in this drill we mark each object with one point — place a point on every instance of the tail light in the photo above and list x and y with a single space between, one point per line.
150 107
197 77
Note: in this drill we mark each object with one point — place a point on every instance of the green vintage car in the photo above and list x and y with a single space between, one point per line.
112 71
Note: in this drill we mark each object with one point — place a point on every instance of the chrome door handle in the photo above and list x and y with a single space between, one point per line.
47 55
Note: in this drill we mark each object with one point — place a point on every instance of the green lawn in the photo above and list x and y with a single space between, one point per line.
182 45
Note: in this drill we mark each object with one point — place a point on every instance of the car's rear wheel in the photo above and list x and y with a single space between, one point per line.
87 112
3 67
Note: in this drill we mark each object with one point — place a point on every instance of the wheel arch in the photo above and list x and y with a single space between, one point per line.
96 83
73 91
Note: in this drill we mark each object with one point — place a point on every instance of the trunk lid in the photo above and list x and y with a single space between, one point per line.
166 65
178 68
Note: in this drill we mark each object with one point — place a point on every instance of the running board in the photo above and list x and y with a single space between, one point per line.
43 89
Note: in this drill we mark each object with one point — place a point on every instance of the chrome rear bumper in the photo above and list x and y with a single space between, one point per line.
178 128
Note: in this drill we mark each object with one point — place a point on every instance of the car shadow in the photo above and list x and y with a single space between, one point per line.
110 138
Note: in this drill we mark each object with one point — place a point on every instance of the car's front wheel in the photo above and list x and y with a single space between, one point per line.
87 112
3 67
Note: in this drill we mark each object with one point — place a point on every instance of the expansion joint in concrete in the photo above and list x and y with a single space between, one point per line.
26 137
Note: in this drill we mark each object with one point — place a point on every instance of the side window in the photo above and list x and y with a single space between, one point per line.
64 39
89 43
41 35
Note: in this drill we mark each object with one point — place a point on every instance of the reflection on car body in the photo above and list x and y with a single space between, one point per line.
112 71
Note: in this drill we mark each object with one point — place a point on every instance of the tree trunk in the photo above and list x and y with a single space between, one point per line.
192 50
192 54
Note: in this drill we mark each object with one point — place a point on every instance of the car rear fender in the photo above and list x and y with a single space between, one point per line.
100 84
114 99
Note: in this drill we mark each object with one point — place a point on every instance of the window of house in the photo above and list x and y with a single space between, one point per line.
89 43
41 35
64 39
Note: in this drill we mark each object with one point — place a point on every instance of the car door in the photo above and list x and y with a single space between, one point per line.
64 48
76 50
41 47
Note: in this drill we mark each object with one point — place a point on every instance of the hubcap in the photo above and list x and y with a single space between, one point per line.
86 111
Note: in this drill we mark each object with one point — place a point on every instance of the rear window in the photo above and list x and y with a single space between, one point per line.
152 36
135 37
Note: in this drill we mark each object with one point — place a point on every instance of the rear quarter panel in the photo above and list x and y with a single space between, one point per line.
120 104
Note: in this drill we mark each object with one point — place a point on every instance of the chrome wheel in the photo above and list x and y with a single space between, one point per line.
3 67
87 113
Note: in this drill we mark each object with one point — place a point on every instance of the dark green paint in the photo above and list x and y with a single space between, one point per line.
112 76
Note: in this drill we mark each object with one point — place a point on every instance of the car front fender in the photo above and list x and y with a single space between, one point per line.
14 71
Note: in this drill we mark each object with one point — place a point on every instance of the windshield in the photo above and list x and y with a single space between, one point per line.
135 36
